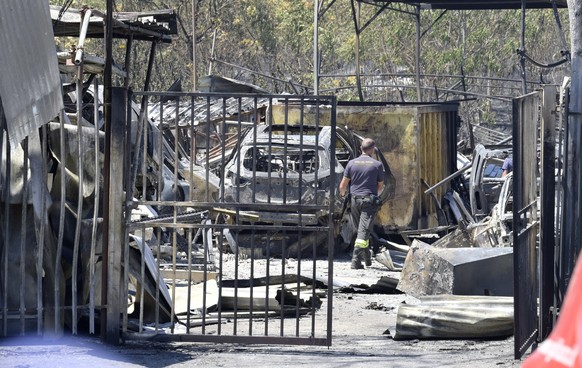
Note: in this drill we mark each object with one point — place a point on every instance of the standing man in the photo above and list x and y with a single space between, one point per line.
507 166
365 177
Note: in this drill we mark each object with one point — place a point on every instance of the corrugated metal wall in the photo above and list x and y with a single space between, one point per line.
437 158
30 87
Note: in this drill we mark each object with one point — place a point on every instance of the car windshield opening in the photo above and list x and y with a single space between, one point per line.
281 159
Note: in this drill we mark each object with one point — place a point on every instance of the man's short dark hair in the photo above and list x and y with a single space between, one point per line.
368 143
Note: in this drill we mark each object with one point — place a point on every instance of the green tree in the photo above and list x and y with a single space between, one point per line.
270 42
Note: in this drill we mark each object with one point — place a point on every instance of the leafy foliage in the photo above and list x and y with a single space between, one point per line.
270 43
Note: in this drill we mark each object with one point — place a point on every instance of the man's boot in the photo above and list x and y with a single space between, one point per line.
365 252
357 259
367 256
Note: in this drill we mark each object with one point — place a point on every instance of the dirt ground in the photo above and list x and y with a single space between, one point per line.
362 328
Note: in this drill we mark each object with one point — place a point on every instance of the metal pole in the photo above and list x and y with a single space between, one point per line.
572 206
82 36
128 47
116 283
79 210
144 100
315 47
548 203
417 59
358 42
211 63
194 82
356 19
108 325
522 57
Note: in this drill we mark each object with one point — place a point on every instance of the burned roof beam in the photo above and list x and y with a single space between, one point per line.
138 32
159 27
477 5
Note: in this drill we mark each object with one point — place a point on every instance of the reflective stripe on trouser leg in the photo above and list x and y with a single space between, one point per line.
360 243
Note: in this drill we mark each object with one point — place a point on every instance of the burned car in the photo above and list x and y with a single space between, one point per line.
486 178
284 174
284 166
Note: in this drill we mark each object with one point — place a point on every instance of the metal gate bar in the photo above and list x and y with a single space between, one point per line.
548 210
241 179
525 220
570 175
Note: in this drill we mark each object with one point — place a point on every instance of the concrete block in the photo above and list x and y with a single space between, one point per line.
460 271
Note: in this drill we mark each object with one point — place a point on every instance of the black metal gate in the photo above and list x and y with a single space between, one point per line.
229 218
526 118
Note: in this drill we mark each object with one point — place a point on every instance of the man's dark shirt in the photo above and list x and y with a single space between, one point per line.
364 173
508 164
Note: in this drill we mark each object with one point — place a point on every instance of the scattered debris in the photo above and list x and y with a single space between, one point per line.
155 294
385 285
270 294
193 299
456 317
379 307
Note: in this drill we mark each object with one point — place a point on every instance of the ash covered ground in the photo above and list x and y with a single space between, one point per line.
362 330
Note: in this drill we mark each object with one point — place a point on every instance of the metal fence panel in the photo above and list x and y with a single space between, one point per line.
223 198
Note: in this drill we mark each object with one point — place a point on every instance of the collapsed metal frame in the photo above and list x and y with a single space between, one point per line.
415 8
109 146
190 142
72 238
40 242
